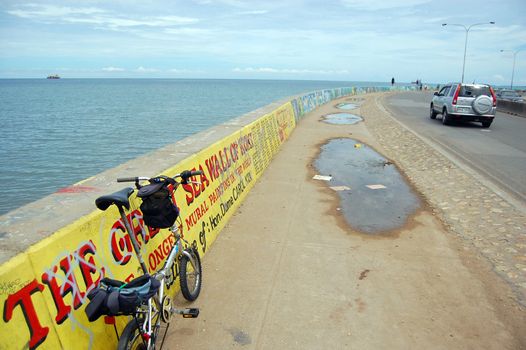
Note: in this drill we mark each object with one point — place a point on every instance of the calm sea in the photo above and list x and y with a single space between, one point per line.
58 132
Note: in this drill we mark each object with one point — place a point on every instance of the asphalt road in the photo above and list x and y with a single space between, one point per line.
497 154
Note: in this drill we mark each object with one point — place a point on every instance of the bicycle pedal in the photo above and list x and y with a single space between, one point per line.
190 313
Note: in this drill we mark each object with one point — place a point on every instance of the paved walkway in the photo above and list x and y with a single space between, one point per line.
288 273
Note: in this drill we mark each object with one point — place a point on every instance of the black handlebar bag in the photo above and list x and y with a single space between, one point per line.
157 207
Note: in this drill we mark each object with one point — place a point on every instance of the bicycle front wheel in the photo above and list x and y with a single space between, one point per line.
190 277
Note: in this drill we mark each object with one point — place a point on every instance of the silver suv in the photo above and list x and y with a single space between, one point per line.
464 102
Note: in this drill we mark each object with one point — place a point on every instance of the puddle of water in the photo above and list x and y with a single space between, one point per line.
342 118
356 166
347 106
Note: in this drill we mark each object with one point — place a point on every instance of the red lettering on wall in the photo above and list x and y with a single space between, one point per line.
160 253
137 225
234 152
87 266
58 292
193 190
153 231
225 161
213 167
245 143
196 215
23 298
121 246
203 178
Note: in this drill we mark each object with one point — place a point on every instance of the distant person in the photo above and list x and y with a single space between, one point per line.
392 81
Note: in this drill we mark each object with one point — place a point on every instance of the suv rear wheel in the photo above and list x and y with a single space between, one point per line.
445 117
432 113
486 124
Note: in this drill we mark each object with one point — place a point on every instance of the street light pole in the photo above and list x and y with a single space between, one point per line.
513 69
466 42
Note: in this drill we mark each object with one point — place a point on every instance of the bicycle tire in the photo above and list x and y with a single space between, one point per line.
130 338
185 265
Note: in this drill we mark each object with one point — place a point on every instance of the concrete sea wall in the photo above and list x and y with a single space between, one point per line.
516 108
54 251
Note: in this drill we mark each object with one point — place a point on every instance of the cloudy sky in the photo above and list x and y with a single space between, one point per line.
352 40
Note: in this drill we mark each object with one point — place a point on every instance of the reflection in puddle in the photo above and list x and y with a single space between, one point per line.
347 106
379 199
342 118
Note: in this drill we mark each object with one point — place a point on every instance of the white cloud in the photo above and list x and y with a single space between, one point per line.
91 15
113 69
51 11
254 12
371 5
142 69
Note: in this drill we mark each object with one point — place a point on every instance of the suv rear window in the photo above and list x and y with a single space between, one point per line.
474 91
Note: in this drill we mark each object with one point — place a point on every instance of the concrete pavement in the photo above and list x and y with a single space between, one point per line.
287 272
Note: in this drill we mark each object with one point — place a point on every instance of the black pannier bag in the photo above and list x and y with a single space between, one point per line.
157 207
116 298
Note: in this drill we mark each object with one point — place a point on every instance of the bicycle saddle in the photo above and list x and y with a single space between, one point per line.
119 198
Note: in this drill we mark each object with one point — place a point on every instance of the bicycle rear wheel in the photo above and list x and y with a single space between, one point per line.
190 278
131 338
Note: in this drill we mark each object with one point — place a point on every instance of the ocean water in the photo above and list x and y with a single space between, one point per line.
58 132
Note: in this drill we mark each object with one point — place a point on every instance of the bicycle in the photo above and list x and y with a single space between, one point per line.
142 331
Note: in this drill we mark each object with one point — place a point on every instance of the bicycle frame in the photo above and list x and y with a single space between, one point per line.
161 275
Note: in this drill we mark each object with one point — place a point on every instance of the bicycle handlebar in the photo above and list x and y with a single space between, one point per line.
184 175
127 179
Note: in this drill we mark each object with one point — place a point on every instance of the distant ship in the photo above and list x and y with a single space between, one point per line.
54 76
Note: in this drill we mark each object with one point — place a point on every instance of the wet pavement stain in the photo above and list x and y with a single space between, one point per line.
383 206
347 106
342 118
240 337
363 274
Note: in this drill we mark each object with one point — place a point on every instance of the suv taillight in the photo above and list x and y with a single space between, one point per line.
455 97
494 97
